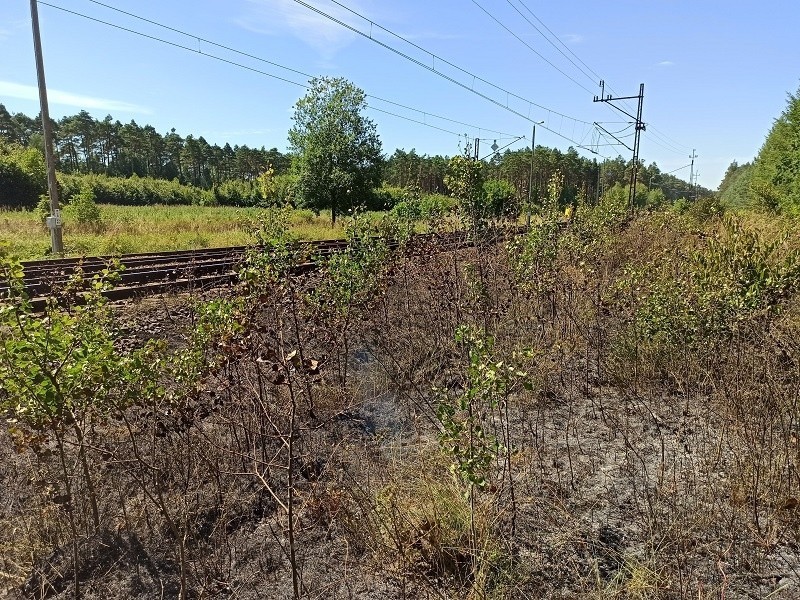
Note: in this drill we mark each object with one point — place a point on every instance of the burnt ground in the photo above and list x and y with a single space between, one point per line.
622 483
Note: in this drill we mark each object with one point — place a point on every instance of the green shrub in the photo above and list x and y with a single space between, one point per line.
302 216
387 197
86 212
681 206
282 191
501 198
134 191
407 210
533 256
706 208
238 193
436 205
689 303
43 208
23 176
429 208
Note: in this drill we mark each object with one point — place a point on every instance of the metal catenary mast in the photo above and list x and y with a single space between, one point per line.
640 126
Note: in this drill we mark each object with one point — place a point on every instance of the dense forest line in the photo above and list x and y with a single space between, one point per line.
133 164
772 180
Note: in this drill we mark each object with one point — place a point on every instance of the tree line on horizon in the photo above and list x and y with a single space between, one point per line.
107 150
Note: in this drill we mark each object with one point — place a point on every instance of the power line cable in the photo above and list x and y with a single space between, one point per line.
660 145
496 150
169 43
272 75
652 128
678 169
260 59
531 48
434 58
621 130
679 148
567 48
259 71
555 37
548 40
386 112
432 69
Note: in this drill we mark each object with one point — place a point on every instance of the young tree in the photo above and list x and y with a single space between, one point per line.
338 152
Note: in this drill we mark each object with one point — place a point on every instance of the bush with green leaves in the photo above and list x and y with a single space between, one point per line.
501 198
465 180
351 280
533 256
681 206
275 252
134 191
234 192
23 176
407 210
269 190
407 206
85 210
61 364
61 376
435 206
43 208
705 209
464 417
387 197
430 209
686 303
282 191
592 227
353 275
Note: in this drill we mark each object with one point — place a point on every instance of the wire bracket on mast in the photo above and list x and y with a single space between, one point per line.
640 126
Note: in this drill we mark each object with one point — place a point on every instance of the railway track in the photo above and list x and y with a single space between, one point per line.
157 272
152 272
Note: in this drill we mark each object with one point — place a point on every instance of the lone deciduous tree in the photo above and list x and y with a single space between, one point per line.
337 149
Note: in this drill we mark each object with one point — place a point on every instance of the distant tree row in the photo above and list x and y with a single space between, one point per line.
583 177
335 162
108 147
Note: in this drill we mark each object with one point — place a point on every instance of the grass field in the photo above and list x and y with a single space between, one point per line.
127 229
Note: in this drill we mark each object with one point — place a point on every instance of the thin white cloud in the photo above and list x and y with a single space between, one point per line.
273 16
665 63
572 38
29 92
9 27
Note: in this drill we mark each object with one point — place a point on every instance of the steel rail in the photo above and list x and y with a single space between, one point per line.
151 273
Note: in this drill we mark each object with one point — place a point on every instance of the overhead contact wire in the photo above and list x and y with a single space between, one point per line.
258 71
432 69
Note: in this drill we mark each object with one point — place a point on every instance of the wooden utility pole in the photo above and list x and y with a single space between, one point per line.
54 220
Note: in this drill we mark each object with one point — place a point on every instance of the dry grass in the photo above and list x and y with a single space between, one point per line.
128 229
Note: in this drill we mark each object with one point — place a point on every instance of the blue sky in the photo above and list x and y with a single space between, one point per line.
716 73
